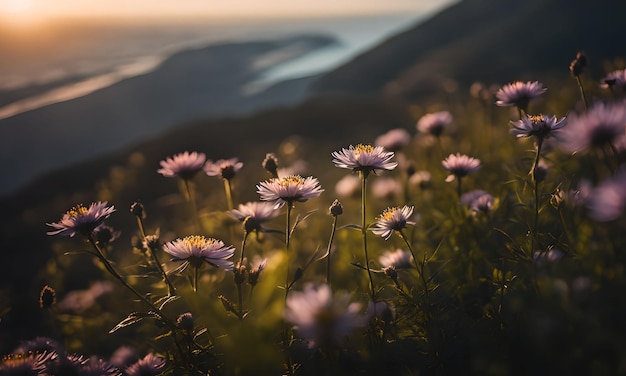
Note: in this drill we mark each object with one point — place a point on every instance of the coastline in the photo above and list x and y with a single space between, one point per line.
198 83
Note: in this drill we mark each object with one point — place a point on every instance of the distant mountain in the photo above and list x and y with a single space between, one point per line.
192 84
493 41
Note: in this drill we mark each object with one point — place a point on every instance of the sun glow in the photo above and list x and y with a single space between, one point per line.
18 12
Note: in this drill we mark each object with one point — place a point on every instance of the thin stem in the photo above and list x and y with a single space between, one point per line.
330 243
287 244
192 200
582 91
364 233
195 278
243 246
536 191
114 273
229 195
170 286
459 190
240 296
419 268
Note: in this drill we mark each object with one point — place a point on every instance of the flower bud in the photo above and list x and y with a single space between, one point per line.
47 297
137 209
185 321
579 63
240 273
270 164
336 209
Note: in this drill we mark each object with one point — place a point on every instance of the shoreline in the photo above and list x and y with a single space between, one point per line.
201 83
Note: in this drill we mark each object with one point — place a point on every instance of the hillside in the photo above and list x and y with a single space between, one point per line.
492 41
191 84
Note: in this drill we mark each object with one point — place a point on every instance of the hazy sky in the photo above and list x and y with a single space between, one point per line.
25 11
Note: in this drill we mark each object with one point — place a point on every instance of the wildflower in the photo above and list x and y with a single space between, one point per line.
348 186
386 188
319 317
364 158
197 249
540 126
615 79
298 167
152 241
601 126
82 220
578 64
23 364
79 301
519 94
123 357
149 365
434 123
394 140
184 165
224 168
47 297
289 189
421 179
398 259
98 367
253 214
478 200
393 219
460 165
608 201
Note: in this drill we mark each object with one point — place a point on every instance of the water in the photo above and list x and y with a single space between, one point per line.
75 59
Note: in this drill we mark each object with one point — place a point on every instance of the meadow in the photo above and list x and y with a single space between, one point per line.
478 234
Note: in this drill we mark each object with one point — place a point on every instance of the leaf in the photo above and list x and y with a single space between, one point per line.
352 226
165 300
133 318
299 219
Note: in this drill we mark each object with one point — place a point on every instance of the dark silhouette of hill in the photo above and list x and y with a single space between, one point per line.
192 84
492 41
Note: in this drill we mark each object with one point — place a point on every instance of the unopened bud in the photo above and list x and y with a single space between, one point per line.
270 164
392 273
240 273
579 63
336 209
185 321
137 209
47 297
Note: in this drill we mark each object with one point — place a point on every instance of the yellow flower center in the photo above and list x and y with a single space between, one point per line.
388 213
198 241
291 180
362 148
536 119
77 210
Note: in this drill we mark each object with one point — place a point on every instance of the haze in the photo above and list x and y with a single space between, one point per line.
24 12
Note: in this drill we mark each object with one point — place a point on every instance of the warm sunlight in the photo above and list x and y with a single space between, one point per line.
18 12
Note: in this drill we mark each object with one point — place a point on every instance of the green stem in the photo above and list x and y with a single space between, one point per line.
330 242
192 201
243 246
364 233
229 195
459 190
170 286
420 270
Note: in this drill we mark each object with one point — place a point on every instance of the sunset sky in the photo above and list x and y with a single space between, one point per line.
25 11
